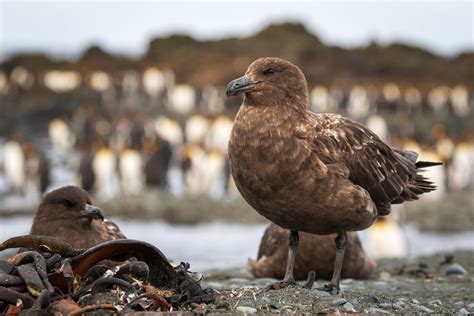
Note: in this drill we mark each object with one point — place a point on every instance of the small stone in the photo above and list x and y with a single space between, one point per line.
246 310
414 301
455 269
374 310
266 300
435 302
338 302
401 303
470 305
463 312
384 305
459 304
348 307
372 299
397 306
320 293
424 309
354 301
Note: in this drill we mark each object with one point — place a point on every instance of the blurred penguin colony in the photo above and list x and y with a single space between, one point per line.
144 130
118 127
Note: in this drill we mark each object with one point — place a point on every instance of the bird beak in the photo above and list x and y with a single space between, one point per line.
241 85
92 212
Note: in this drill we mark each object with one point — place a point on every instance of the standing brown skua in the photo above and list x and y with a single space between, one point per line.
68 214
317 173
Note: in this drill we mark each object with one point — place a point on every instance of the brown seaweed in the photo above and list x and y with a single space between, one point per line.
33 281
41 243
12 297
39 264
10 280
162 274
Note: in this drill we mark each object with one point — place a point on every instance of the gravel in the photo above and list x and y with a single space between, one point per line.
409 286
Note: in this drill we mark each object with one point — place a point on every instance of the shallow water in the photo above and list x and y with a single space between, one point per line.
221 245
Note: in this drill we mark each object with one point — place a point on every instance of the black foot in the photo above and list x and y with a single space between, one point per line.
281 284
331 288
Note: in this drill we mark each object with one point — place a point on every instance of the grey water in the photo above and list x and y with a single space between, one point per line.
221 245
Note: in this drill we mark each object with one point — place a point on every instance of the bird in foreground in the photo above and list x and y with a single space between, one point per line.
316 173
68 214
315 253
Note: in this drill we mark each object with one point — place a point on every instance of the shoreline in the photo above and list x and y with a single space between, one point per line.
455 213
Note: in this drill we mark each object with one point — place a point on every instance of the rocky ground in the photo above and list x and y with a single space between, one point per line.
437 284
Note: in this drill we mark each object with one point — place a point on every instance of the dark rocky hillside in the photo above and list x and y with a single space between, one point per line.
215 62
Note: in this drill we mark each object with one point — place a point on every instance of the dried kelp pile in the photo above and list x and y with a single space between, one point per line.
118 276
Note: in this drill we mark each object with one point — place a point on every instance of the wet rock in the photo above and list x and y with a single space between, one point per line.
424 309
246 310
374 310
338 302
455 269
348 307
463 312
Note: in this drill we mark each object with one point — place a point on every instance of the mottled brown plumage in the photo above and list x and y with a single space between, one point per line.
315 253
316 173
67 213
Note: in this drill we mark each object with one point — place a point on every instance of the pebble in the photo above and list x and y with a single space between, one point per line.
435 302
320 293
459 304
385 305
348 307
424 309
246 310
471 305
338 302
414 301
401 303
354 301
265 300
372 299
455 269
374 310
463 312
397 306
